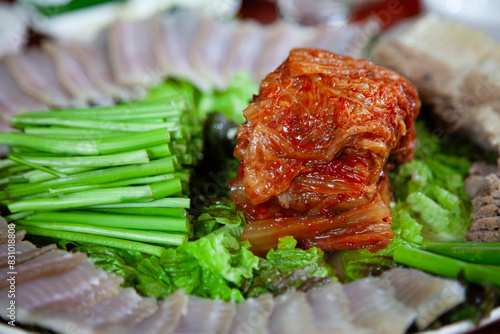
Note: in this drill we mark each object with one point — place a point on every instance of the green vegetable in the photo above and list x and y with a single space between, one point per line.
155 237
357 264
475 252
150 137
431 190
287 268
97 240
446 266
136 222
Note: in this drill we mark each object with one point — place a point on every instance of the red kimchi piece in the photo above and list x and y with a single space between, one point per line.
318 141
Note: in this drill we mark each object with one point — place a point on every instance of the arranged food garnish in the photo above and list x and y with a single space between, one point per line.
315 150
313 205
88 175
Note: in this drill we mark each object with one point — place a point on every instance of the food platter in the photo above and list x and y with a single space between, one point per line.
200 83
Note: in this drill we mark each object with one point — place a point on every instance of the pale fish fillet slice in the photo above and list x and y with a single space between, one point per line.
35 74
374 306
430 296
76 289
173 38
281 38
291 315
252 315
47 263
163 321
127 309
208 49
246 44
94 59
206 316
72 75
24 251
131 54
12 98
330 310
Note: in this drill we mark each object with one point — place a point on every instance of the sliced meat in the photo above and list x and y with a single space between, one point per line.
291 314
73 76
435 42
488 223
483 236
330 310
35 74
484 122
23 251
131 54
373 305
46 264
206 316
252 315
430 296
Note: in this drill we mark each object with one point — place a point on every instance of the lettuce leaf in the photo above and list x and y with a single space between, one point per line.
431 189
357 264
288 268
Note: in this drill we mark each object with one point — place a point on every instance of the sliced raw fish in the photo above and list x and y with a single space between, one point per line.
13 99
208 50
173 35
206 316
19 235
76 289
350 40
246 45
291 314
330 310
373 305
163 321
280 39
127 308
24 251
35 74
431 296
73 76
252 315
46 264
93 57
131 54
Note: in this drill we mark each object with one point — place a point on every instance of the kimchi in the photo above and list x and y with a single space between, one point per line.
315 150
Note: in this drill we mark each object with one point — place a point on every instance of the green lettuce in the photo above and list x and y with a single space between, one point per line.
431 189
357 264
288 268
